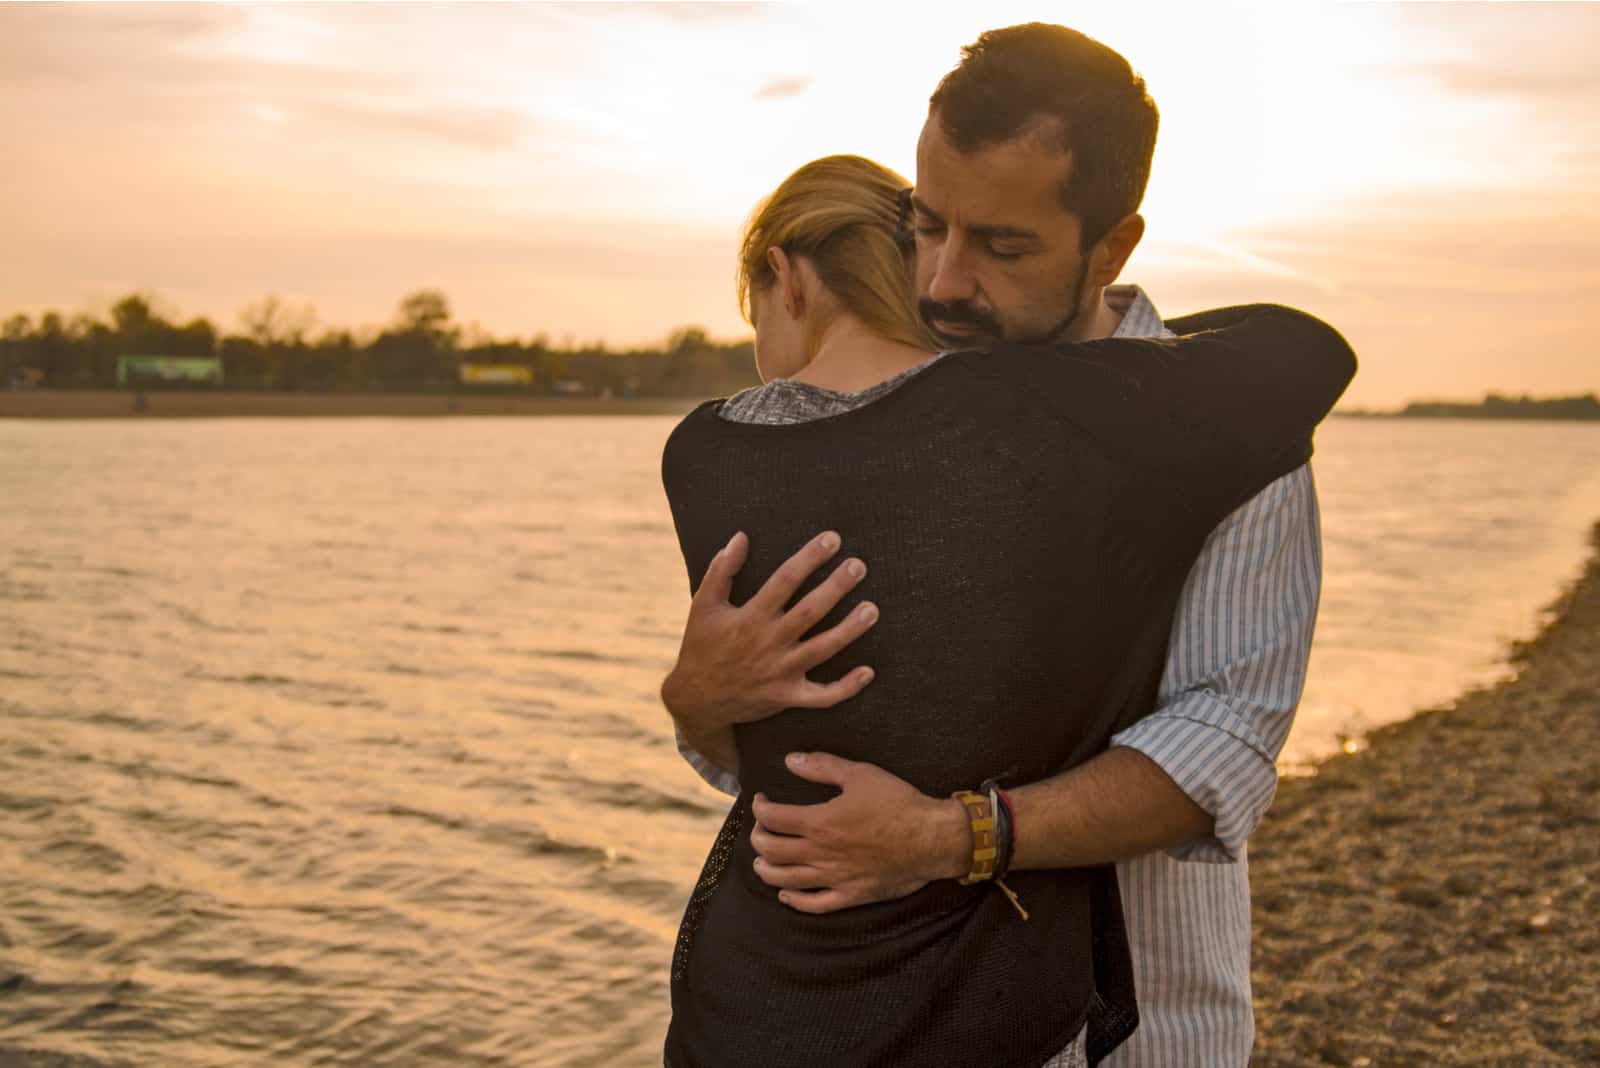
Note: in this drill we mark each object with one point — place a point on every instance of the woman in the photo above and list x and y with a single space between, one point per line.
1031 514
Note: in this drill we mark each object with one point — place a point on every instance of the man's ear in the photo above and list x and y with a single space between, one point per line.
786 276
1110 256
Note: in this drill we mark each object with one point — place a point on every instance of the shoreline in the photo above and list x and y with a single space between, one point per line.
1422 900
211 404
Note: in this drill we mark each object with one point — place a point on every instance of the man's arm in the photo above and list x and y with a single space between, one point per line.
1236 664
882 839
1192 778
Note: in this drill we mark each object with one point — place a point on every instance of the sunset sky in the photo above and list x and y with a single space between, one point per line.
1423 176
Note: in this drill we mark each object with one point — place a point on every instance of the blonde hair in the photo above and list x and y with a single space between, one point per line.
841 213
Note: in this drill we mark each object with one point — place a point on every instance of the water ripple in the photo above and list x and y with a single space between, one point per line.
335 742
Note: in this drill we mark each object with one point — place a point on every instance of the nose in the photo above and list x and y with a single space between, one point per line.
953 279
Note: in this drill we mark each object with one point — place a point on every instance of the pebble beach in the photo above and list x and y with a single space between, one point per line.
1433 897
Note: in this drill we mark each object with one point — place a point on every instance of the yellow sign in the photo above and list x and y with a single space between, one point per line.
496 374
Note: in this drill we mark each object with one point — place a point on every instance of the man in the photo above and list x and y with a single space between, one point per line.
1030 170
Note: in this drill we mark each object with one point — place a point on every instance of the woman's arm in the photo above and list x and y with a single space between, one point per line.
1221 410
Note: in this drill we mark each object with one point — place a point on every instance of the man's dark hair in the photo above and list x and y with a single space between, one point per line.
1011 78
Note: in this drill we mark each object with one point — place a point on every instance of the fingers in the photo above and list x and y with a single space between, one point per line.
821 767
781 586
782 819
816 902
830 642
780 850
717 583
790 876
808 694
814 606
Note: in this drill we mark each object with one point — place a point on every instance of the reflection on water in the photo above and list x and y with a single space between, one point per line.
336 741
1443 542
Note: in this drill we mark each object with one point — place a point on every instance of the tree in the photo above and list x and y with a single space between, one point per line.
271 321
198 338
427 311
418 349
687 339
14 347
133 315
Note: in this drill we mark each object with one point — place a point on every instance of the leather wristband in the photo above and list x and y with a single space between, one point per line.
984 852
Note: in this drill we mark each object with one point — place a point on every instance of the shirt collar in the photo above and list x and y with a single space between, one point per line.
1139 315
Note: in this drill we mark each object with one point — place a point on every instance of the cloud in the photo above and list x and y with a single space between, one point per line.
128 68
685 14
47 44
1543 53
784 88
63 49
1571 78
473 128
1454 294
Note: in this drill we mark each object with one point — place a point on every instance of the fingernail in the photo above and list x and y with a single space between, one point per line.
731 540
829 542
856 568
796 759
868 612
783 896
867 675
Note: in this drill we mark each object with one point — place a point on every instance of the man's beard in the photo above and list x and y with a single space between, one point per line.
986 328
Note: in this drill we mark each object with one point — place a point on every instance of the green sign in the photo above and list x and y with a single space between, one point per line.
143 369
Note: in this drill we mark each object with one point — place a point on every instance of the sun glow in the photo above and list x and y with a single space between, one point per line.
584 168
1269 112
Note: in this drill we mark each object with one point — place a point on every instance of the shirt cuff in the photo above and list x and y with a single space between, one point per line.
1197 741
716 777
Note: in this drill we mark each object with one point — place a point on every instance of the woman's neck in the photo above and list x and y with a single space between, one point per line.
851 358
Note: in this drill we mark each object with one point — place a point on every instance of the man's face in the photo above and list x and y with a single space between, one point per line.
997 253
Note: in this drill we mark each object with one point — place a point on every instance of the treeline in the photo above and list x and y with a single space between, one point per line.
1494 406
422 349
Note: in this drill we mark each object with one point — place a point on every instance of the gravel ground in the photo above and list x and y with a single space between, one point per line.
1435 898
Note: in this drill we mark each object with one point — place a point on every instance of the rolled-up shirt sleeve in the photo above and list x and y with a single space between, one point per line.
722 780
1236 664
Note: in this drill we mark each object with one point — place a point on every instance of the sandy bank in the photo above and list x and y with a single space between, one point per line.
111 403
1435 898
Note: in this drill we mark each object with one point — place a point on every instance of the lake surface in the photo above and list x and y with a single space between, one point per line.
335 742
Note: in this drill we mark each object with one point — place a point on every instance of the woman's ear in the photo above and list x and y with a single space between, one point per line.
786 277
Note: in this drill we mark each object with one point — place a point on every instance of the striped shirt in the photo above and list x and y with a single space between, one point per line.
1235 669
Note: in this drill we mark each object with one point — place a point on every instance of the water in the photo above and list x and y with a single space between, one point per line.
335 742
1444 541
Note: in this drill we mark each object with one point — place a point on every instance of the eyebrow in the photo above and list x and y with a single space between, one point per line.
1002 233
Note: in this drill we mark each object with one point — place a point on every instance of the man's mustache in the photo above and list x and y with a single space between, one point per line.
959 313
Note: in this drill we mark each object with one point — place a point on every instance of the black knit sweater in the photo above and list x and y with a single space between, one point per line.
1029 517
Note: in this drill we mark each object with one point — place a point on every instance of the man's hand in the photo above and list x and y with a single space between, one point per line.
878 840
745 663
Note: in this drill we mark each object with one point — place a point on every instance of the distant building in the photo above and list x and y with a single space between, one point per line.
25 378
163 370
495 374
